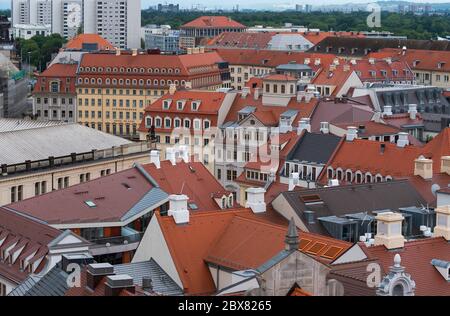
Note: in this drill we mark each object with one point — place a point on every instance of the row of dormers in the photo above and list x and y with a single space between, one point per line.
129 70
180 104
16 249
131 82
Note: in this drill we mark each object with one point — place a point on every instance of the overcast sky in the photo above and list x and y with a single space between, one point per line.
244 3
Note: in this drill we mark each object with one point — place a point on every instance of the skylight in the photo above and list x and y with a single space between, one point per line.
193 206
90 203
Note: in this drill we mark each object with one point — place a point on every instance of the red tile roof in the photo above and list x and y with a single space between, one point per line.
396 70
77 42
60 73
34 236
279 77
419 59
366 156
416 258
316 37
371 128
402 119
304 109
191 179
336 78
234 238
184 63
272 59
209 107
213 22
113 195
424 186
256 40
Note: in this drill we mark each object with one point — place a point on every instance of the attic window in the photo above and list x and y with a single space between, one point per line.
90 203
193 206
313 198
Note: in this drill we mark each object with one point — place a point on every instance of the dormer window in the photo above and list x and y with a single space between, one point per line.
195 105
373 73
415 63
441 65
206 124
166 104
180 105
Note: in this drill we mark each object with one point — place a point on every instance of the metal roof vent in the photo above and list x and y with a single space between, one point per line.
309 216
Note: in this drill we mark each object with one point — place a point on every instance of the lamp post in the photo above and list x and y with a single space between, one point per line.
29 64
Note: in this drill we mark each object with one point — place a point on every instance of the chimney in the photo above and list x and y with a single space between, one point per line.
389 230
382 148
115 284
336 61
387 110
147 283
352 133
184 153
346 68
293 180
178 208
256 93
404 50
134 52
353 61
324 127
81 259
304 124
308 96
245 92
155 159
96 272
412 110
445 164
255 200
292 241
442 228
171 155
118 52
300 96
172 89
371 61
402 139
423 167
202 50
189 51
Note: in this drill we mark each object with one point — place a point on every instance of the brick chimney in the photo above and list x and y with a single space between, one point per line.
178 208
96 272
115 284
255 200
423 167
442 228
389 230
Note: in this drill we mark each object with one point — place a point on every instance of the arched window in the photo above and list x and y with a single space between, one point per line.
155 82
359 177
187 123
206 124
158 122
177 122
148 121
368 178
330 173
92 80
167 122
339 174
349 176
398 290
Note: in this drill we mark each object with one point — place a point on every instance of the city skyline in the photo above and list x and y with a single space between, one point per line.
258 4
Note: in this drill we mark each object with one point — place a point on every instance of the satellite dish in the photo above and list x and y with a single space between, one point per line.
434 188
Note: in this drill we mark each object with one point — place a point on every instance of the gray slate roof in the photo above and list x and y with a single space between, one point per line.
162 282
9 125
314 147
59 140
54 283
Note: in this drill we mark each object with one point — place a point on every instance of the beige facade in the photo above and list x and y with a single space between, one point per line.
241 74
432 78
20 185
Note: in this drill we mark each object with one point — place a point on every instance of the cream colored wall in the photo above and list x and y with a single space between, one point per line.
73 172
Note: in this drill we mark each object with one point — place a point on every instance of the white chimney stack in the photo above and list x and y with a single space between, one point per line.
325 127
304 124
154 158
403 140
387 110
423 167
171 155
445 164
309 96
352 133
293 180
389 230
178 208
245 92
257 93
300 96
184 153
255 200
412 110
442 228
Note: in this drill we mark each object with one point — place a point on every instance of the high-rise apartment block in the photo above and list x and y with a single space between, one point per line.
118 21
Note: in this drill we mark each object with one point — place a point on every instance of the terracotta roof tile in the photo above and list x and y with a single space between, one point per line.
213 22
77 42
